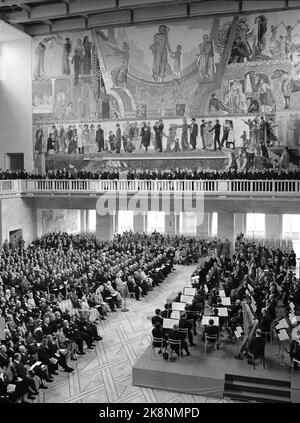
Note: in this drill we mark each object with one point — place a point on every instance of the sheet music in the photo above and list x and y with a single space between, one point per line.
293 318
282 324
178 306
187 290
226 301
187 299
175 314
239 329
206 319
292 306
222 293
169 323
223 311
237 334
283 335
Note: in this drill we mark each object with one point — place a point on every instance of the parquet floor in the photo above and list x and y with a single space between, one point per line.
104 375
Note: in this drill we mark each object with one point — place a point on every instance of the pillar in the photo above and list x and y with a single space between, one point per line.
170 224
226 227
83 227
139 222
239 223
202 225
273 226
87 220
104 227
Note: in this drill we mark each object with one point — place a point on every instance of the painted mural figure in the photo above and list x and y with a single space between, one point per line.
215 103
160 49
145 135
288 38
62 140
184 135
275 46
259 35
206 58
171 138
241 49
119 75
39 72
39 135
87 56
236 98
77 61
67 47
177 60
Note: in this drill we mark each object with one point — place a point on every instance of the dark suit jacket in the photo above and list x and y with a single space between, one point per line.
211 330
157 319
20 370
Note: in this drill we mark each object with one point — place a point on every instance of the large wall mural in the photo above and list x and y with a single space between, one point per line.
231 69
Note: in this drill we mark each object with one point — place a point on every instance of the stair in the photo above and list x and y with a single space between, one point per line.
253 389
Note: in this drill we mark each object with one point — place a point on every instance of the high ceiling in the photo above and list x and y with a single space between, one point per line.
39 17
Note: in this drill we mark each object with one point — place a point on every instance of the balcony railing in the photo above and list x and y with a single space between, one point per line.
207 186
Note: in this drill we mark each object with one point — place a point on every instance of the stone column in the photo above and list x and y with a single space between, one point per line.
83 227
104 227
170 224
139 222
226 227
273 228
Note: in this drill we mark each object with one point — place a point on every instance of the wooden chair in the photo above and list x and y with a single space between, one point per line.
183 330
211 340
156 343
174 345
259 353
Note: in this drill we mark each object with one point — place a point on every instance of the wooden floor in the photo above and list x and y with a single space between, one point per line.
105 373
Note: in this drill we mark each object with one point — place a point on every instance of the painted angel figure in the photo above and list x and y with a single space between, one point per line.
119 74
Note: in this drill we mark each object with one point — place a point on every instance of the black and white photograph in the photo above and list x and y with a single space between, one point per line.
149 206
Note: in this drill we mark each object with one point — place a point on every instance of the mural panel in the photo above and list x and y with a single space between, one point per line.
231 69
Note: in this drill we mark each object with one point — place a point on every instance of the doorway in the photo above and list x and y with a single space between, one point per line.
15 161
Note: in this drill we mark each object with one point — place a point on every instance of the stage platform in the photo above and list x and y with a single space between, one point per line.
218 373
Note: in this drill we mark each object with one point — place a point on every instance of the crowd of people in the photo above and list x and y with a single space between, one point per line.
230 173
54 291
268 272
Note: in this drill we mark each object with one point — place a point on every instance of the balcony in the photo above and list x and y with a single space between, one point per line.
235 187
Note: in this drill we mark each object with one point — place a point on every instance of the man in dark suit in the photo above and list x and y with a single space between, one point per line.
265 322
157 318
211 330
193 134
184 324
100 138
217 129
176 335
21 371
